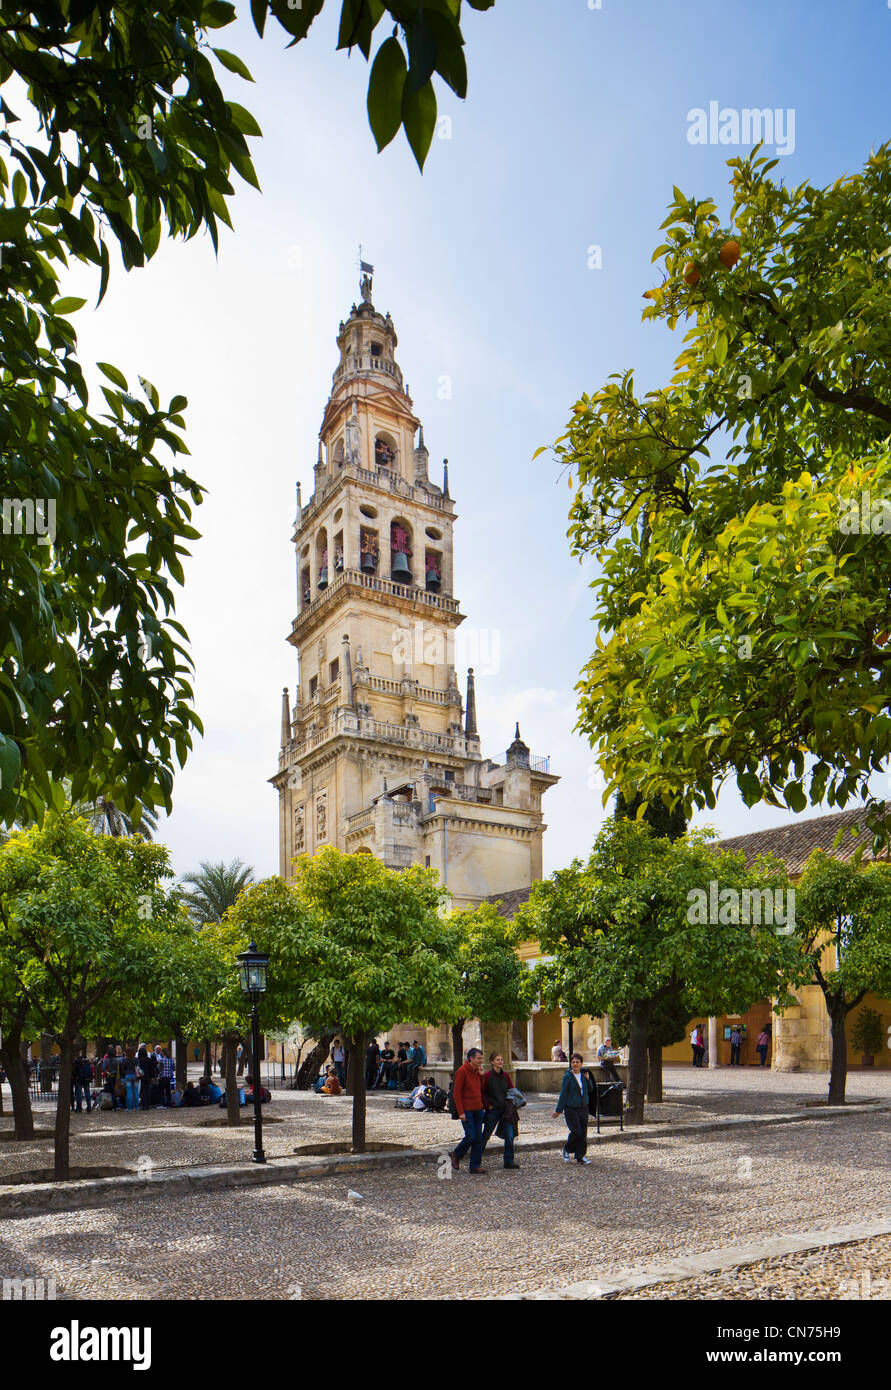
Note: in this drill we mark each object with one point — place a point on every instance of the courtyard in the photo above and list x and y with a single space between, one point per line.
667 1191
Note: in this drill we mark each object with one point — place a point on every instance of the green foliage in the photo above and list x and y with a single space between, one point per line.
216 888
619 928
744 628
662 820
137 141
843 913
867 1035
667 1025
87 930
495 984
353 941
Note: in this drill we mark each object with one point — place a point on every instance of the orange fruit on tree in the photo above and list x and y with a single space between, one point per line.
691 273
729 254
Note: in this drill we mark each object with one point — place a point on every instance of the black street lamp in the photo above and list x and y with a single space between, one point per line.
252 967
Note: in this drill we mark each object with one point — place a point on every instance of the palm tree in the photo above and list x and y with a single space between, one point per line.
107 818
216 888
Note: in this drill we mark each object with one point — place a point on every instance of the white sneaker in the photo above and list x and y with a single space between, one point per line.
586 1161
567 1157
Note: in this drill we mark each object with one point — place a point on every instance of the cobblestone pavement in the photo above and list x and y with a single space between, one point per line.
177 1138
548 1225
861 1270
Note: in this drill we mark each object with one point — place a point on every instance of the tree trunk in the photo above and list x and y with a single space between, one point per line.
61 1170
312 1063
457 1044
357 1044
233 1106
182 1059
352 1060
637 1059
208 1059
654 1073
839 1072
12 1056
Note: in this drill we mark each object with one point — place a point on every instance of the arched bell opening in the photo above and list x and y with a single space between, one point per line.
400 551
322 559
338 553
432 570
368 550
386 452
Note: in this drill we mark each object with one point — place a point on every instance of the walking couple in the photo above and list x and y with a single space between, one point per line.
482 1105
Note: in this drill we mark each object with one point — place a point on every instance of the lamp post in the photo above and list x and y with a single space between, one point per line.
252 968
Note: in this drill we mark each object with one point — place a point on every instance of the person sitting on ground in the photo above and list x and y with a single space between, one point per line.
417 1098
331 1086
192 1094
265 1095
210 1091
607 1056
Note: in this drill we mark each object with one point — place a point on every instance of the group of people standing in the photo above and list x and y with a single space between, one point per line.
735 1038
135 1078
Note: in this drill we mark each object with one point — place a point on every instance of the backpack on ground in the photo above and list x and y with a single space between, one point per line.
450 1101
435 1098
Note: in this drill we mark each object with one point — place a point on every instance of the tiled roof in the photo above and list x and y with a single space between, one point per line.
508 902
795 843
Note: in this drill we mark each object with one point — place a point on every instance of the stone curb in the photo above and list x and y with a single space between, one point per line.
710 1262
28 1199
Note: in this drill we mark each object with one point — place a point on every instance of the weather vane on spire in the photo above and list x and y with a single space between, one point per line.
367 271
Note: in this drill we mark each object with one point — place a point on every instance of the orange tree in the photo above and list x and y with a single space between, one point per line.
354 941
86 931
741 511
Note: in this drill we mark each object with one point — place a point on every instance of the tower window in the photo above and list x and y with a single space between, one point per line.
313 686
334 669
377 349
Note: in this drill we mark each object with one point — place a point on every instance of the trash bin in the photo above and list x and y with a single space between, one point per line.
610 1103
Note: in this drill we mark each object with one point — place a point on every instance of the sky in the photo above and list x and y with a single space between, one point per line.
574 131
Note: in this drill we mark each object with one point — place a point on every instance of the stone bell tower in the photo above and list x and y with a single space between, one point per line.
377 754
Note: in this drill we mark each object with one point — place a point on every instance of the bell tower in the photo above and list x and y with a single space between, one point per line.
376 754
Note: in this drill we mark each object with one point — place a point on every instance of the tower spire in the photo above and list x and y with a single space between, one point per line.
470 729
445 478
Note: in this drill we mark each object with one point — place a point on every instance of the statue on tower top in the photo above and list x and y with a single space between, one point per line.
365 283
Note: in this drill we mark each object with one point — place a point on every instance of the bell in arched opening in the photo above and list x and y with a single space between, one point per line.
432 580
401 571
367 563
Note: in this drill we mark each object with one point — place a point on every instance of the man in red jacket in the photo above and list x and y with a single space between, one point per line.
468 1094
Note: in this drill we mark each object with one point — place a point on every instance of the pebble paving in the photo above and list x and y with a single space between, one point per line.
860 1271
139 1139
420 1231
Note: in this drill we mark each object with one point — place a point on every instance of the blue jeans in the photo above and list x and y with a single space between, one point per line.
493 1118
473 1137
131 1081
